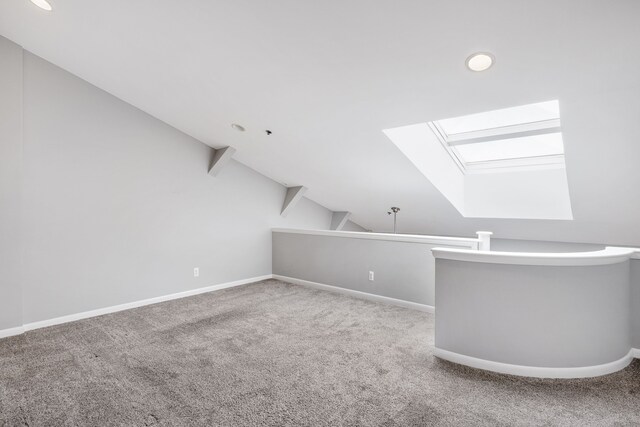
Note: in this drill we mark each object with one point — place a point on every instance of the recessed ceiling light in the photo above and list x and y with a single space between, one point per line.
42 4
480 61
237 127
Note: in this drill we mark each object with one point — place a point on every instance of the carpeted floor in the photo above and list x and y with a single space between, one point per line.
272 353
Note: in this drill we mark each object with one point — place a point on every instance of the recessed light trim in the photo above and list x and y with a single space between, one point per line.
42 4
480 61
237 127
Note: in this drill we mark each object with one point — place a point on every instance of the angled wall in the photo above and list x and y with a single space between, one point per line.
118 206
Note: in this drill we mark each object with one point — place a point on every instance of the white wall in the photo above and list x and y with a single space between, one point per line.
535 194
352 226
533 316
10 171
403 270
118 206
424 150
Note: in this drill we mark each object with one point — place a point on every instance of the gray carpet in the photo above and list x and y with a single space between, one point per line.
272 353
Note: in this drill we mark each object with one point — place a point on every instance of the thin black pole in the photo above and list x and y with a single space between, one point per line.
395 211
394 222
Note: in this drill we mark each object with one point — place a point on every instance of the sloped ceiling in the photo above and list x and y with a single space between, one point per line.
327 76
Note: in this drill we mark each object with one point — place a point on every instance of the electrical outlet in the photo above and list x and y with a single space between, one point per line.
196 272
371 276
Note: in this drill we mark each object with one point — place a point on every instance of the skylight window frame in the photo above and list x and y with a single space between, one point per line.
541 127
509 165
504 132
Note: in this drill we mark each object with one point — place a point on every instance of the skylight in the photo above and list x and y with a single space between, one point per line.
523 136
499 164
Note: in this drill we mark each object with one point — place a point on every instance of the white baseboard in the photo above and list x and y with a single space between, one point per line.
113 309
538 372
358 294
11 332
590 371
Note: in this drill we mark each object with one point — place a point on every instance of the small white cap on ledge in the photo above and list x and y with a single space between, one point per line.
484 240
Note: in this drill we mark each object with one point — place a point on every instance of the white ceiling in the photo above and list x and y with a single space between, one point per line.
327 76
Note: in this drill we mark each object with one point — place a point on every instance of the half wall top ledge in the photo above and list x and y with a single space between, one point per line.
606 256
499 164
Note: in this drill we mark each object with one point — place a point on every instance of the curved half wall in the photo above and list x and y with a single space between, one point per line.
543 315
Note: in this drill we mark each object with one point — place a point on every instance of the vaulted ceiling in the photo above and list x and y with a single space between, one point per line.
328 76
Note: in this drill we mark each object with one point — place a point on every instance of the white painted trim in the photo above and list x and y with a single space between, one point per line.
504 132
609 255
534 371
469 242
4 333
220 158
357 294
484 240
339 219
493 166
126 306
291 198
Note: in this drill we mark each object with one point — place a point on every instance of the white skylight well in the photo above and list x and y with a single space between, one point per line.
517 137
500 164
